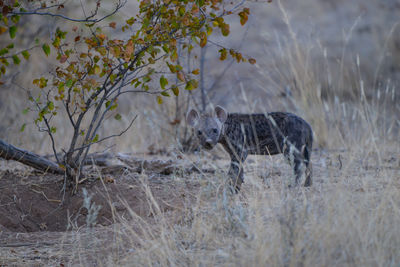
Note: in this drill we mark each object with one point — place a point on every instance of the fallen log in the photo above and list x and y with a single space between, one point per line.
10 152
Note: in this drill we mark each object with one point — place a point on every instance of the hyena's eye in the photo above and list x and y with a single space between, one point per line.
199 132
215 130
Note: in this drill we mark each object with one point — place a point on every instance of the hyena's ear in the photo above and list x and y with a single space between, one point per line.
192 117
221 113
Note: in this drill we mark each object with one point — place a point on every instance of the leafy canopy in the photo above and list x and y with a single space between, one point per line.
94 68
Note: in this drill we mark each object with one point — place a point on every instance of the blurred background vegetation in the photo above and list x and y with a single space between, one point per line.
336 63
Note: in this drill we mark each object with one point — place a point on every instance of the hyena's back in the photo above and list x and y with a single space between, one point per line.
270 133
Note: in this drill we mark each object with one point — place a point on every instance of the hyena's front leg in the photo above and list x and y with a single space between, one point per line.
235 172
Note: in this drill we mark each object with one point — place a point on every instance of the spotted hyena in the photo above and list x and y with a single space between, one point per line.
257 134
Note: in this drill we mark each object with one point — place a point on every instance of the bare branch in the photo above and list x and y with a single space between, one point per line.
118 6
108 137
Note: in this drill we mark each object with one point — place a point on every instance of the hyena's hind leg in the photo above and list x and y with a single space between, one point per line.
299 159
307 161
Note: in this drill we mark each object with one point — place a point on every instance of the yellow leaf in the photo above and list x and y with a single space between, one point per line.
203 39
225 29
223 53
97 70
3 30
196 71
159 100
175 90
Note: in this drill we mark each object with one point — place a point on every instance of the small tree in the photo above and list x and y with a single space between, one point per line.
95 69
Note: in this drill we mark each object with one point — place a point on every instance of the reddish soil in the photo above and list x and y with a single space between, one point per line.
32 202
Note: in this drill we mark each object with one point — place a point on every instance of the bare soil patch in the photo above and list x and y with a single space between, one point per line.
31 203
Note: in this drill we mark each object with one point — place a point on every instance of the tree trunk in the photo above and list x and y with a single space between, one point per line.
8 152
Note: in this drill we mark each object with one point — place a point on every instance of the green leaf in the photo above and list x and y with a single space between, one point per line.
10 46
53 129
69 83
146 79
16 59
23 127
163 82
171 67
165 93
12 30
25 54
118 117
15 18
3 51
159 100
192 84
165 48
113 77
50 105
130 21
181 11
96 138
46 49
25 111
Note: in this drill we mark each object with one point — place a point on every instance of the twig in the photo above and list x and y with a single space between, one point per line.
48 199
35 12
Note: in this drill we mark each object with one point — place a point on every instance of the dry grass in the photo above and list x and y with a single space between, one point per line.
351 215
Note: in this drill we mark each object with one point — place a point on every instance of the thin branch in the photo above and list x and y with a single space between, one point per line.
108 137
20 52
35 12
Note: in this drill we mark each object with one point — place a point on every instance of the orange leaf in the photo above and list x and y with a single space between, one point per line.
238 57
252 61
223 53
203 39
113 25
63 58
129 50
3 30
243 18
195 9
180 76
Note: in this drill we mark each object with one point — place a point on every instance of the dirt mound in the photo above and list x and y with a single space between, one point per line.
32 202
